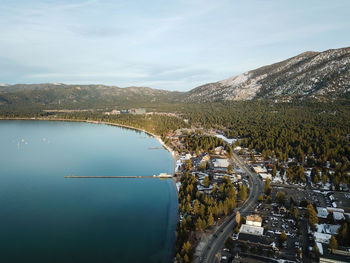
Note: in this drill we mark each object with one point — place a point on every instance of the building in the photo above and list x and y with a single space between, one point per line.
237 148
113 112
221 163
337 216
322 238
327 228
138 111
265 176
255 239
322 212
185 157
259 169
333 209
251 230
205 158
235 177
219 150
254 220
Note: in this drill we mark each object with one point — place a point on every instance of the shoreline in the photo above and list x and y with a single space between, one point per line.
158 138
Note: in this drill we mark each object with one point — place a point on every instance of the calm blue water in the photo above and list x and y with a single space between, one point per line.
45 217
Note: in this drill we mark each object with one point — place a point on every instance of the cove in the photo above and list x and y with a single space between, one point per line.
48 218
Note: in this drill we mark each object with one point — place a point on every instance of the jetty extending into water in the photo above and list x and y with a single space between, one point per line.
155 148
162 175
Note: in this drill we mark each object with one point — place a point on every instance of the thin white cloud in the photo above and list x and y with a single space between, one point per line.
174 45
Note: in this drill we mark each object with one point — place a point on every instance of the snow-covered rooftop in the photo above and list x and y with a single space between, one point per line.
338 216
265 176
320 248
327 228
221 163
230 141
322 238
253 230
322 212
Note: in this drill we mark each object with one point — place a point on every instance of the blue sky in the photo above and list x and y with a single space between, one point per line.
174 45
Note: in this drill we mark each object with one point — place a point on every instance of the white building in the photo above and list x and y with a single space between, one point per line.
265 176
221 163
235 177
219 150
186 157
322 238
238 148
252 230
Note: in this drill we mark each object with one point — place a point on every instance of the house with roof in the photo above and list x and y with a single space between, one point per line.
322 237
322 212
327 229
337 216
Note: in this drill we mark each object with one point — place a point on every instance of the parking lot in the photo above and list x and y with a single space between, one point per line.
302 194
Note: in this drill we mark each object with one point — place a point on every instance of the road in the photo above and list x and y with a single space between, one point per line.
217 241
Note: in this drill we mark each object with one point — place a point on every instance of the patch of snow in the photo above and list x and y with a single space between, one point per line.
230 141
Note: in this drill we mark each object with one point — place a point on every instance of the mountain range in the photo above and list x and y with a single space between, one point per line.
320 76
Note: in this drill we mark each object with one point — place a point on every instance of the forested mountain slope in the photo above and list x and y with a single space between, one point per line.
318 75
79 96
321 76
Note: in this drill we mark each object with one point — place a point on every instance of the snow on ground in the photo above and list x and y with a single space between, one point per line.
230 141
277 178
178 165
178 185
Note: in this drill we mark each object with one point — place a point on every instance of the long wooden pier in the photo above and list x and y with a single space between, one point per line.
155 148
154 176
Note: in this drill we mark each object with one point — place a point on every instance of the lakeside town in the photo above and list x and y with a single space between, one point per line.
175 131
239 205
303 221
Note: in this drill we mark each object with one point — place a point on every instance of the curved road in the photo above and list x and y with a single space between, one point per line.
217 240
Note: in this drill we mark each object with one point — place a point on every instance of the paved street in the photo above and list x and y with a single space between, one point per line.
217 241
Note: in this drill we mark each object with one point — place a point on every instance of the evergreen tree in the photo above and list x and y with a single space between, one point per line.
243 193
281 197
267 189
333 243
206 181
210 219
312 215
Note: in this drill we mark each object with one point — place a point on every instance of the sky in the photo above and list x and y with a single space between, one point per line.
173 45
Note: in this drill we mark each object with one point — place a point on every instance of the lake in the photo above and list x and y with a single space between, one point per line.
45 217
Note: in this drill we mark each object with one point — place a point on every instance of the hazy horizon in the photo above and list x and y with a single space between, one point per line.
141 86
